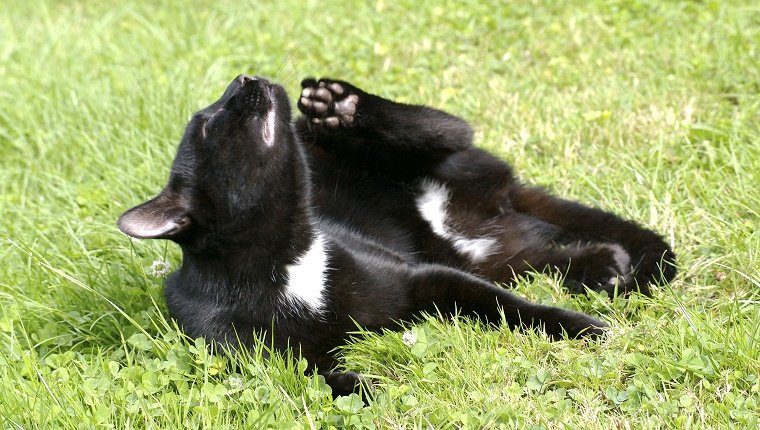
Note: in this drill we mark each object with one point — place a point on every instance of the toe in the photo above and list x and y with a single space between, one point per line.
319 106
323 95
308 82
336 88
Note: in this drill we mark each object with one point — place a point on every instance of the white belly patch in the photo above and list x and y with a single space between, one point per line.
433 204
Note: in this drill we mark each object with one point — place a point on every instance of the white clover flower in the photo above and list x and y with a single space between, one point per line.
408 338
160 268
235 382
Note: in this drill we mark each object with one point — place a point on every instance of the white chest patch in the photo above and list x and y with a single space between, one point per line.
307 277
433 204
267 131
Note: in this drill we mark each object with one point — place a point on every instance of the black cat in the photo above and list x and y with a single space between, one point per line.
367 212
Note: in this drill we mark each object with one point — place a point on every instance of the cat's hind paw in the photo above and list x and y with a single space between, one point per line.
604 267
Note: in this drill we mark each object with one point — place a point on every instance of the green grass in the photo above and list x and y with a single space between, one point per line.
649 109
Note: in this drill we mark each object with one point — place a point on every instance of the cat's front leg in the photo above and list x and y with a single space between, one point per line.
337 110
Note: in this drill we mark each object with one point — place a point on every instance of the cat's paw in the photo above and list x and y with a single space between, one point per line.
603 267
345 383
574 325
657 265
328 103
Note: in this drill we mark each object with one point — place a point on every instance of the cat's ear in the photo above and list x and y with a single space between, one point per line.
162 217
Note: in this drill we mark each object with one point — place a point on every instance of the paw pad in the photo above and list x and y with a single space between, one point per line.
327 103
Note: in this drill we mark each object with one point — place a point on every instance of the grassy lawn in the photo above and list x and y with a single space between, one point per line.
649 109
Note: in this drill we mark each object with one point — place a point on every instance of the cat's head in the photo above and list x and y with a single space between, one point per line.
230 161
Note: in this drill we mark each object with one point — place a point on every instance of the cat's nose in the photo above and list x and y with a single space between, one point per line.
244 79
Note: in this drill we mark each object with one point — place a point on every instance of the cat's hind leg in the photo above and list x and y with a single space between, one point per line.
652 260
436 288
595 266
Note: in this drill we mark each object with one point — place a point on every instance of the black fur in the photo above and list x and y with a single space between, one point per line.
250 194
